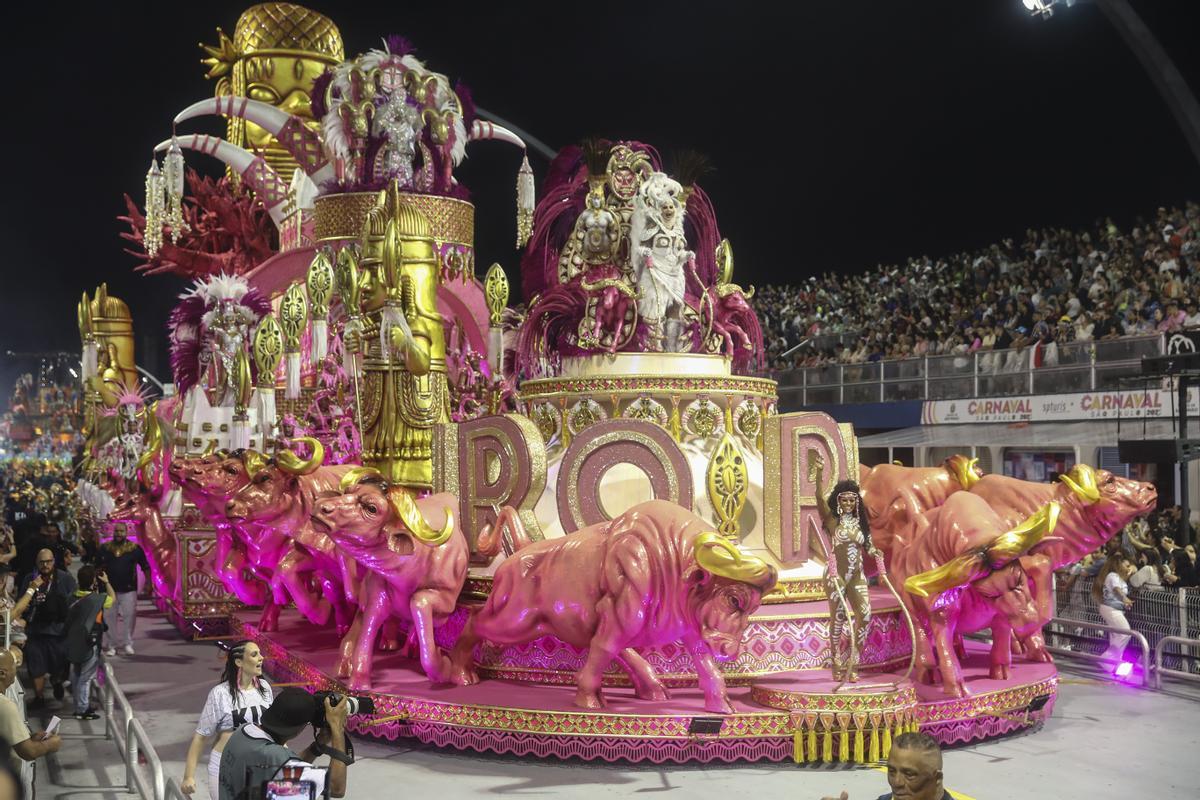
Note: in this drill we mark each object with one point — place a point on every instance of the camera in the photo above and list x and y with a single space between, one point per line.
355 705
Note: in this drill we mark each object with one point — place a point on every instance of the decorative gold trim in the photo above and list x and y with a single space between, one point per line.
901 699
547 388
341 216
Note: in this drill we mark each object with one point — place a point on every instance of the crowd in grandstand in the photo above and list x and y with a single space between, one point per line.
1052 287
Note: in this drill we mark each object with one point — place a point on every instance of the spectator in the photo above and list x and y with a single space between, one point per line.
83 636
1149 572
261 750
1183 567
1111 593
889 311
16 694
26 747
46 596
120 559
914 769
242 696
8 545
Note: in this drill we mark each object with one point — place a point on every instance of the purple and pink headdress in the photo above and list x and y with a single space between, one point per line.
190 320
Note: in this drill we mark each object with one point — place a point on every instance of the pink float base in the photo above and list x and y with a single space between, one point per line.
502 716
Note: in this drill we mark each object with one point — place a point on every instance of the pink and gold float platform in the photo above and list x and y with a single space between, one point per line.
780 715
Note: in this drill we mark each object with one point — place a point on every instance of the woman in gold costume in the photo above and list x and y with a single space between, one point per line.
849 532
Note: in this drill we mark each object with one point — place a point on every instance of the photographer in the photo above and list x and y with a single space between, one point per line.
261 750
83 635
46 594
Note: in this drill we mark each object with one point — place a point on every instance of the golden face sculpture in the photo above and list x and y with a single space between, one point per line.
284 82
277 51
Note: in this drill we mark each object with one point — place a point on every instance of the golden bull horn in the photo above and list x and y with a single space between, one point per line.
254 461
1082 480
958 571
968 567
965 470
404 506
291 463
356 476
1021 539
719 556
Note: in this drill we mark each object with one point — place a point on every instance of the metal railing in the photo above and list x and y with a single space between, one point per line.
1134 635
131 740
1159 669
1159 615
1069 367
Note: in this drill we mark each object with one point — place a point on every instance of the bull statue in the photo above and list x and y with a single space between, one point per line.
412 558
273 516
209 482
656 574
897 498
986 558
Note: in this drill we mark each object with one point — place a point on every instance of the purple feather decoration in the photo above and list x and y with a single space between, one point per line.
257 302
183 329
397 45
319 87
466 99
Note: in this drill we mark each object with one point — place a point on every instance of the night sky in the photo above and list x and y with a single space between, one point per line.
843 134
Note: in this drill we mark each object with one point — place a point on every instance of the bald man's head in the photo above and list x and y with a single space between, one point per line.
8 669
45 561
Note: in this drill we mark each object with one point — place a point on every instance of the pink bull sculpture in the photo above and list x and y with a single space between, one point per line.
656 574
209 482
273 513
412 557
986 558
897 498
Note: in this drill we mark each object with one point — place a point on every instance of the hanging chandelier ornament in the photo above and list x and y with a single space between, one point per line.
153 237
525 202
173 168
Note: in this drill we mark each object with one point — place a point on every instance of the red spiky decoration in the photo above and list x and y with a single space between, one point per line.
230 232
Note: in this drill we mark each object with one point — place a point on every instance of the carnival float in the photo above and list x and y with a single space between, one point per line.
573 526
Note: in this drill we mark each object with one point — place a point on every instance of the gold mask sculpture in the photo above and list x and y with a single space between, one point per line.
277 51
405 388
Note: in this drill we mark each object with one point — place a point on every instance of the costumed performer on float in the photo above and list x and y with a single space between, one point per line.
849 536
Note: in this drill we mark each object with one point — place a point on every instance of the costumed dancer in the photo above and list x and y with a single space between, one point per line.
242 696
849 533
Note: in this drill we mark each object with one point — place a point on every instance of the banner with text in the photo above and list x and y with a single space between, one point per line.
1138 404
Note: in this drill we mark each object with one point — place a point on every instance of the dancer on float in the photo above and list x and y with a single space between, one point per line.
242 696
849 534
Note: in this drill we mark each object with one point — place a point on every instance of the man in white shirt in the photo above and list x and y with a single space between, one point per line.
25 746
16 693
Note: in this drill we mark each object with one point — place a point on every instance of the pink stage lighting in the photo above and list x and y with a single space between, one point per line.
1124 669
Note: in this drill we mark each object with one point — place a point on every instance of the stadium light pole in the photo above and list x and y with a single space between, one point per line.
1158 65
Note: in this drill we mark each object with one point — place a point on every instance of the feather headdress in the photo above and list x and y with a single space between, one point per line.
188 324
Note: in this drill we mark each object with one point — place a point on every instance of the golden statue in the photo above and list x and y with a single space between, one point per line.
277 51
405 387
106 321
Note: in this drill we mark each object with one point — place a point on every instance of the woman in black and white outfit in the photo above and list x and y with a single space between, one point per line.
242 696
